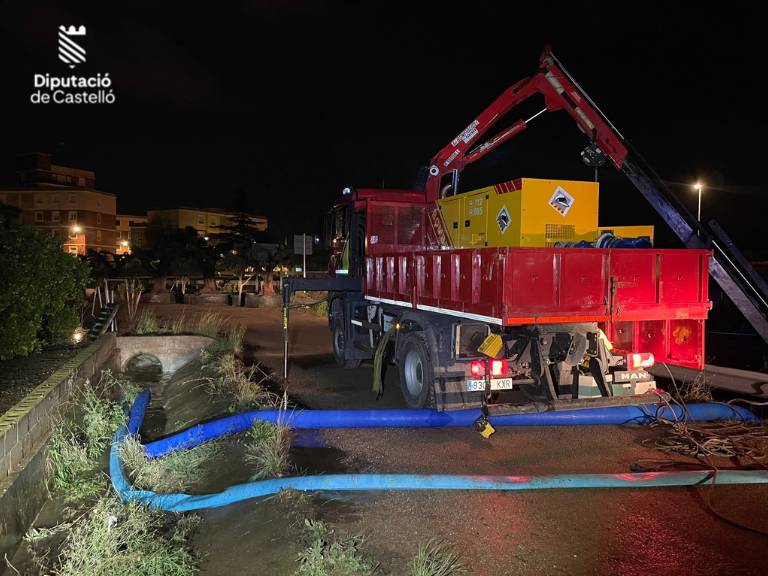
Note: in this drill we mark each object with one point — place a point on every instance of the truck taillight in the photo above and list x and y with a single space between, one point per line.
477 368
640 361
499 367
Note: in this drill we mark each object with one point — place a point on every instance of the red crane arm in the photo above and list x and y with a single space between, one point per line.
560 92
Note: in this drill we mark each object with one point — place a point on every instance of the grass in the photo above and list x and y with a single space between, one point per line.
126 539
321 308
179 324
208 324
436 558
699 390
107 537
176 472
78 442
328 554
266 449
227 375
147 323
233 339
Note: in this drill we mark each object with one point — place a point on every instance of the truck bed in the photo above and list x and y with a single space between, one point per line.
646 300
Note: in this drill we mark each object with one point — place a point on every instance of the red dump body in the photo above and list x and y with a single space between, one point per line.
646 300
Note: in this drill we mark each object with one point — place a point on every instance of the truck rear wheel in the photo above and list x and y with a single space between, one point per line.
339 337
417 375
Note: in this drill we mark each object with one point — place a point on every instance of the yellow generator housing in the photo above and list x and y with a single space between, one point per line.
528 212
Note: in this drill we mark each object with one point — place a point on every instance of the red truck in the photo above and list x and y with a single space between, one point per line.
486 297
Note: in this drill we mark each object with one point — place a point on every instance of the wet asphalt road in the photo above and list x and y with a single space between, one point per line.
616 531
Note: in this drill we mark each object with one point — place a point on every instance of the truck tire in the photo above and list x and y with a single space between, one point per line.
338 337
417 376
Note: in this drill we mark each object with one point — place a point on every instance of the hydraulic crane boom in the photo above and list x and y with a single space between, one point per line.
728 267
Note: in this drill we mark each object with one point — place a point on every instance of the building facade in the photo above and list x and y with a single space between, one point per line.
205 221
131 233
65 202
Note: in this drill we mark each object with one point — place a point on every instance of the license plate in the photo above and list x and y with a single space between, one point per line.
496 384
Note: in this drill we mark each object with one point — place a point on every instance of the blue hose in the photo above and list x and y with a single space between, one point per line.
138 410
426 418
363 482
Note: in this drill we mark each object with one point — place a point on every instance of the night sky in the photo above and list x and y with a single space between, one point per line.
279 104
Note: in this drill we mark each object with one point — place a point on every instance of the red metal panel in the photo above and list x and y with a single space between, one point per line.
444 279
477 265
464 277
380 275
583 282
680 278
530 281
652 338
490 283
404 278
394 226
390 277
685 343
370 276
633 274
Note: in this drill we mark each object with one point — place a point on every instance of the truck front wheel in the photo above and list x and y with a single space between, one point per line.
339 337
416 373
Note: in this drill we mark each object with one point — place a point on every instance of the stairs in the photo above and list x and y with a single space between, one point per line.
103 321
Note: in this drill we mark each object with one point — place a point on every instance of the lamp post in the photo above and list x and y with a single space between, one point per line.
698 186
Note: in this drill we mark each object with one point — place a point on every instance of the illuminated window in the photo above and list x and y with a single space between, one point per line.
73 249
73 215
72 235
201 218
39 216
55 216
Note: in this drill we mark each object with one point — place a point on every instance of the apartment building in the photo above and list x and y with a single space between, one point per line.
205 221
64 201
131 233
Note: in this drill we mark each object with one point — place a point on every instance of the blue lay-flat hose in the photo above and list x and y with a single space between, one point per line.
427 418
360 482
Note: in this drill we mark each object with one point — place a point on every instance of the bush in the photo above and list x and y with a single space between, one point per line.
266 449
327 554
176 472
127 539
436 558
79 441
41 291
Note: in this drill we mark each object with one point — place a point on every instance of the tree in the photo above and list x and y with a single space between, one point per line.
178 252
237 244
41 291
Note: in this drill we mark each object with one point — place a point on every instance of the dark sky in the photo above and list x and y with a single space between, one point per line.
282 103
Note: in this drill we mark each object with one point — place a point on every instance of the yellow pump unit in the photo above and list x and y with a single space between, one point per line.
528 212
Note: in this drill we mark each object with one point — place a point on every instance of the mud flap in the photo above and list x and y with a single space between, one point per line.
452 395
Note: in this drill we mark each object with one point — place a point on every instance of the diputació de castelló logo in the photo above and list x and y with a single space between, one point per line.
72 89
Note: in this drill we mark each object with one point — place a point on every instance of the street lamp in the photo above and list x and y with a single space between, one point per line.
76 229
698 186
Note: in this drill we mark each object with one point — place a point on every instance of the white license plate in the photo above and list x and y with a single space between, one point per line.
496 384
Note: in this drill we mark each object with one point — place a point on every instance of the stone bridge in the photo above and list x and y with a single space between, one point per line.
172 351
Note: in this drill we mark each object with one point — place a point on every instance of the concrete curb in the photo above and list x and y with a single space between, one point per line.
27 424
